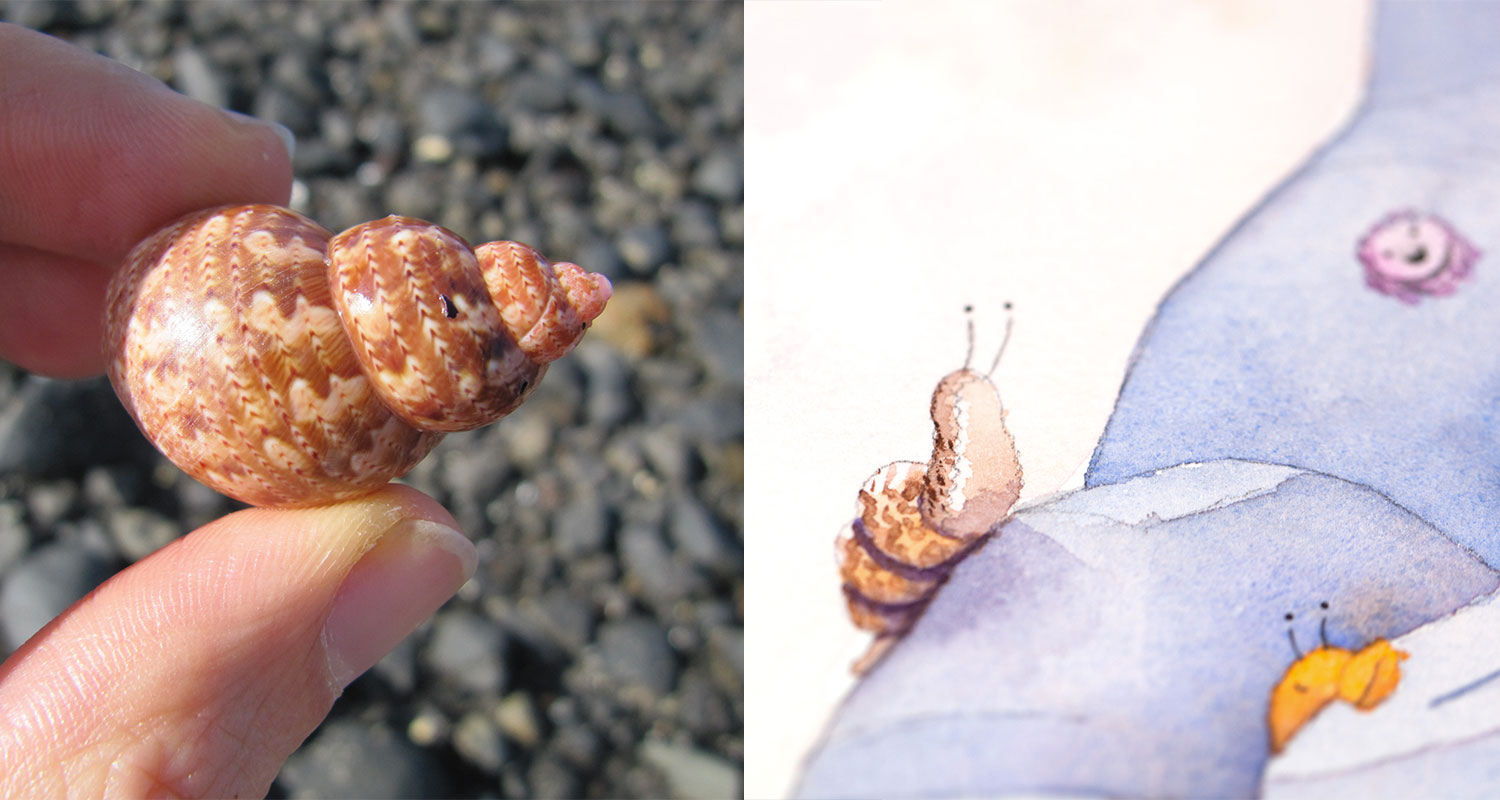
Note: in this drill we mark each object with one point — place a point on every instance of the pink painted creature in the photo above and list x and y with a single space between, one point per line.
1412 253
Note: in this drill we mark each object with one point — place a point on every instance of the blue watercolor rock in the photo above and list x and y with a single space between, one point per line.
1124 640
1276 350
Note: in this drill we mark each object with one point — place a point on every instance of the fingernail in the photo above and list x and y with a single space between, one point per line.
411 571
288 138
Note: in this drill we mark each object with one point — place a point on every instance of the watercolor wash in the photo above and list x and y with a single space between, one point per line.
1289 532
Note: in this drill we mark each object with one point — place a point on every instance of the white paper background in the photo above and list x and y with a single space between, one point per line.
905 158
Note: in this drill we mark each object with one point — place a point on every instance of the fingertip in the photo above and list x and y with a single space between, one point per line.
96 155
266 614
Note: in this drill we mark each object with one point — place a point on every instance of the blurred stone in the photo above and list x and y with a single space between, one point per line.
644 248
695 225
647 560
276 104
719 337
692 773
196 78
626 114
50 427
721 175
463 119
701 707
43 584
496 57
609 401
634 320
694 532
49 503
139 532
579 745
478 740
550 778
517 719
106 487
15 537
581 526
398 668
428 727
467 651
351 759
635 651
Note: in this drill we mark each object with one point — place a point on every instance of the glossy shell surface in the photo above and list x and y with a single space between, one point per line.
226 341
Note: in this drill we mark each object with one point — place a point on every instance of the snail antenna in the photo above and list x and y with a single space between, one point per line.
1009 323
969 322
1323 631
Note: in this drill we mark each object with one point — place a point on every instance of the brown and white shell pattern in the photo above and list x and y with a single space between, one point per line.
916 522
241 360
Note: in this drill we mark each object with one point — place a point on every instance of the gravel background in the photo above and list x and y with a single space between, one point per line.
599 649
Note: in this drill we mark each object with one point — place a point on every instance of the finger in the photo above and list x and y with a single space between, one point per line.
94 155
197 671
51 312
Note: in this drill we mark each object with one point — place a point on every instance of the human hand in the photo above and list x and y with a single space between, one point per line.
198 670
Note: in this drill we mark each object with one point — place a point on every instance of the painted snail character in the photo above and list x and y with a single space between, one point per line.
917 521
285 366
1325 674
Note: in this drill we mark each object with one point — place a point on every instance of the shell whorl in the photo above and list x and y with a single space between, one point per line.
916 522
285 366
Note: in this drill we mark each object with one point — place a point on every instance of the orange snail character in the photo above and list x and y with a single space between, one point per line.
917 521
1324 674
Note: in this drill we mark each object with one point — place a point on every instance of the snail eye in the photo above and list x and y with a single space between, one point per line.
449 310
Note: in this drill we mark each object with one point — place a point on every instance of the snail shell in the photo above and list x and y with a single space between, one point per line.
285 366
917 521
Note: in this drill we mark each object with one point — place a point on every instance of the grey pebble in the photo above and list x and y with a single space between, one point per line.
692 773
50 503
635 651
719 335
15 536
695 532
649 563
550 778
609 401
43 584
196 78
139 532
721 176
566 619
701 707
351 759
48 427
579 745
467 650
106 487
644 248
277 104
581 526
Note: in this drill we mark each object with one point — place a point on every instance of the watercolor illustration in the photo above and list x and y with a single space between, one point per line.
1279 575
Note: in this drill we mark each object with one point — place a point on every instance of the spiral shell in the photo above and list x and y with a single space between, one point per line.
917 521
285 366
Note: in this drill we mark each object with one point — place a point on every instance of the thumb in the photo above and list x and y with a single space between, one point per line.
197 671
